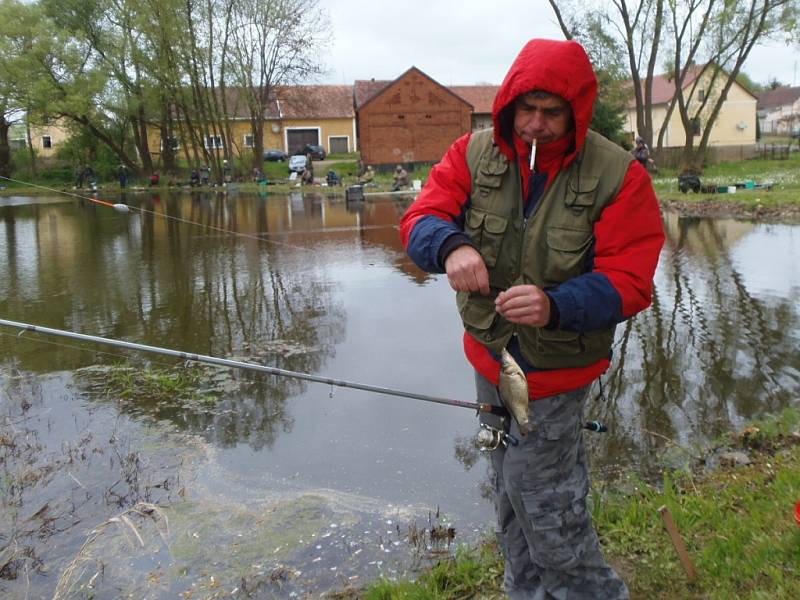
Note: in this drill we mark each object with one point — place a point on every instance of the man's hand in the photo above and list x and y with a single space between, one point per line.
466 270
525 305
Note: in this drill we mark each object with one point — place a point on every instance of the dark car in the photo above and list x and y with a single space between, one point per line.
316 152
275 155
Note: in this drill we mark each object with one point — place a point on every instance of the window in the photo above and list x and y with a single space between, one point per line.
174 143
338 144
214 141
697 126
248 140
47 141
701 95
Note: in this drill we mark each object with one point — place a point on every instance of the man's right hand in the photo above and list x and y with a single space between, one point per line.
466 270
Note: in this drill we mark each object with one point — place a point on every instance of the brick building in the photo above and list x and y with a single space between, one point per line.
411 119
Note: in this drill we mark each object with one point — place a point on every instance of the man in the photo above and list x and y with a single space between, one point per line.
547 256
367 176
641 152
122 175
400 178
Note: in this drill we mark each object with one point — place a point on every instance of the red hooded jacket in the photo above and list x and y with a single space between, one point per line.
628 236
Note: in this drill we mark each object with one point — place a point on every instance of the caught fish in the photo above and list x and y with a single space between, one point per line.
514 391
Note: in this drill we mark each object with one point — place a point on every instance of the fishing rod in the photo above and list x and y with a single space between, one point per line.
237 364
489 438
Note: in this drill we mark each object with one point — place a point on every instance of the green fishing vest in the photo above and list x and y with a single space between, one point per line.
550 247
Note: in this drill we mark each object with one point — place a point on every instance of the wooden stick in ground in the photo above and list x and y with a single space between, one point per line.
677 542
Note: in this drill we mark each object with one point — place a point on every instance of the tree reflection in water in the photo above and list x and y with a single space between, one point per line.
708 356
168 283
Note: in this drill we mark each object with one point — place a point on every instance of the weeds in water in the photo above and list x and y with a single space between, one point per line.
88 555
155 384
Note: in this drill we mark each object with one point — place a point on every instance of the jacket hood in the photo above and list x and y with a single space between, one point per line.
557 67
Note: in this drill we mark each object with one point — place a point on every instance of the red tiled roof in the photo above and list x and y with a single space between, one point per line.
481 97
315 101
365 89
664 85
296 102
781 96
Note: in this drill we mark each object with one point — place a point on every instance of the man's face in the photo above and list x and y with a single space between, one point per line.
546 117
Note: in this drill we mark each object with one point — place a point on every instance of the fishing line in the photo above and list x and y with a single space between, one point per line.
125 208
18 336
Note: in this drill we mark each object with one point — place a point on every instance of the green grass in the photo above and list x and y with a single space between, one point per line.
737 523
784 175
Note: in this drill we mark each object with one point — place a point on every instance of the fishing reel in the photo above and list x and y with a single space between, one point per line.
490 438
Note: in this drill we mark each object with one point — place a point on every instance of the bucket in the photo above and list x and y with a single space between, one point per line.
417 184
355 193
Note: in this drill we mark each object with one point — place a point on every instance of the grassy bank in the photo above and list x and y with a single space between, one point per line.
780 202
784 175
737 523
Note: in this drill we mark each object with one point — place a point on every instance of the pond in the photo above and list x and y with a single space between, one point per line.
265 486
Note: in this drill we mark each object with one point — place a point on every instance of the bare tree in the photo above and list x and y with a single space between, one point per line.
718 33
638 26
274 43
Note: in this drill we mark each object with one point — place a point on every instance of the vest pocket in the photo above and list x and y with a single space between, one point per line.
476 310
566 253
556 341
486 230
582 191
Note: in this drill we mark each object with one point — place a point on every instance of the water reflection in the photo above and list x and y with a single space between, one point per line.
718 347
316 284
713 352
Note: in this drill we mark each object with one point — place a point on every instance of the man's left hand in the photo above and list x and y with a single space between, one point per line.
525 305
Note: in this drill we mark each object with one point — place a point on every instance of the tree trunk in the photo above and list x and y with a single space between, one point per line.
5 151
140 135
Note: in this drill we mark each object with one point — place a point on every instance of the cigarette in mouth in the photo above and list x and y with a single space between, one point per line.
533 153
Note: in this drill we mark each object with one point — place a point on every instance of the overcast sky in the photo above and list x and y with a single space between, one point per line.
465 42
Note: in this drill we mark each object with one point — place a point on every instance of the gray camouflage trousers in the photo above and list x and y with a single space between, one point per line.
540 486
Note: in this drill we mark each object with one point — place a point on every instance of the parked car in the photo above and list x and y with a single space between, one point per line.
275 155
297 163
796 134
316 152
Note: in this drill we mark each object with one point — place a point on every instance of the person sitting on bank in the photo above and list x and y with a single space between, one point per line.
367 176
307 178
400 178
332 178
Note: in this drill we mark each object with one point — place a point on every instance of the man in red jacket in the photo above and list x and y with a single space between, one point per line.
550 235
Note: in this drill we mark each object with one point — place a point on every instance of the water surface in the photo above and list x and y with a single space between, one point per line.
293 487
